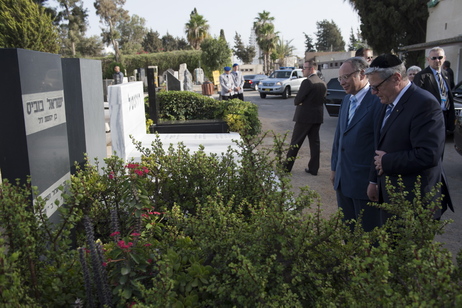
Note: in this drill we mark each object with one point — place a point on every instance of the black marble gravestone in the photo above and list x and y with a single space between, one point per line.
83 93
33 128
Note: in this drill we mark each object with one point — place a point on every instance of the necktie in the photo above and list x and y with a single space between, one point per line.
443 93
352 110
387 114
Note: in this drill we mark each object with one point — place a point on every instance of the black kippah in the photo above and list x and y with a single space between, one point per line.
386 61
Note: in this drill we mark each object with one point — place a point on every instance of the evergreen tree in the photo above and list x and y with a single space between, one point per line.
90 46
328 37
169 43
183 44
215 54
245 53
132 33
309 45
25 24
152 42
389 24
73 24
111 13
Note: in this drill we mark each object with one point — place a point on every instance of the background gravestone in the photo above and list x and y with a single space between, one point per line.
33 129
199 75
187 82
83 93
173 84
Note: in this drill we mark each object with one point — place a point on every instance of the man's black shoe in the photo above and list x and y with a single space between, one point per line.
308 171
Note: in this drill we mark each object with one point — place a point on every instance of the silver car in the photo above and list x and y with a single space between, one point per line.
281 82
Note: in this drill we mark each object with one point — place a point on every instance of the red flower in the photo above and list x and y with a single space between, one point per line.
115 233
135 234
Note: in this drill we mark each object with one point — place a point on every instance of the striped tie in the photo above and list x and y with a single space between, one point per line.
443 92
352 110
387 114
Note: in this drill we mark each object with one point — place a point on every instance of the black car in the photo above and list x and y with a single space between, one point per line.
335 95
457 93
251 81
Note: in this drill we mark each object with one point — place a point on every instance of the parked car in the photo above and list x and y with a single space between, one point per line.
281 82
335 95
251 81
457 93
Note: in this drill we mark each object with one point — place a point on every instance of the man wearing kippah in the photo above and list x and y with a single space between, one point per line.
238 81
410 136
227 84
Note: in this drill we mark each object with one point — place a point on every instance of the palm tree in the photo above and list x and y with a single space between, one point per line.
196 29
266 37
283 50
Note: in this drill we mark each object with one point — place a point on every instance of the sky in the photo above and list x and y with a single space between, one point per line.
292 18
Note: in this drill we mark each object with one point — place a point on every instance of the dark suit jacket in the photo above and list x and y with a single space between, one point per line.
310 100
353 147
426 80
413 138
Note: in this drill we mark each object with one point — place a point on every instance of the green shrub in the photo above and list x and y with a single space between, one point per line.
240 116
182 229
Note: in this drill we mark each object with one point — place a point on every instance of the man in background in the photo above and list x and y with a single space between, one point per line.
238 82
118 76
308 118
227 84
435 80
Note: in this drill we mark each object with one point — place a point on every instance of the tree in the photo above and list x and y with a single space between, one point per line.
169 43
74 30
245 53
215 54
266 36
309 45
388 25
356 42
196 29
328 37
283 50
111 13
24 24
183 44
132 32
90 46
152 42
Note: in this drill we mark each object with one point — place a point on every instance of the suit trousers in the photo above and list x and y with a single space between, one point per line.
301 131
353 208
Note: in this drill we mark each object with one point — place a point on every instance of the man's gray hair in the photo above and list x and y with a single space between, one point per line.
387 72
358 63
436 49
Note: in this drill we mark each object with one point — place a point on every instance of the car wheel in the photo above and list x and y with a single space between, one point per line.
286 93
256 87
263 95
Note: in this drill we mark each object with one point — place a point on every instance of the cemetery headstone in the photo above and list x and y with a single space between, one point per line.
173 84
188 82
83 93
33 128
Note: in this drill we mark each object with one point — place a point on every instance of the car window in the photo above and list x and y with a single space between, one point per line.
334 84
249 76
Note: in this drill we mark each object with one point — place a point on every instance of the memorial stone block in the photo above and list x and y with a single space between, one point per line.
187 82
33 128
173 84
83 93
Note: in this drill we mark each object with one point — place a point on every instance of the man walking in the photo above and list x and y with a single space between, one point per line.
353 147
308 118
435 80
410 135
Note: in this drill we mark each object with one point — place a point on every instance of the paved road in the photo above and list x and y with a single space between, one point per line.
276 114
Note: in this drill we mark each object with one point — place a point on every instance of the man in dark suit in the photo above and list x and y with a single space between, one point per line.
308 118
435 80
450 73
410 134
353 147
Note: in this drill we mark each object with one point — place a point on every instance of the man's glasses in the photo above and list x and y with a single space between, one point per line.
376 88
346 76
437 58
